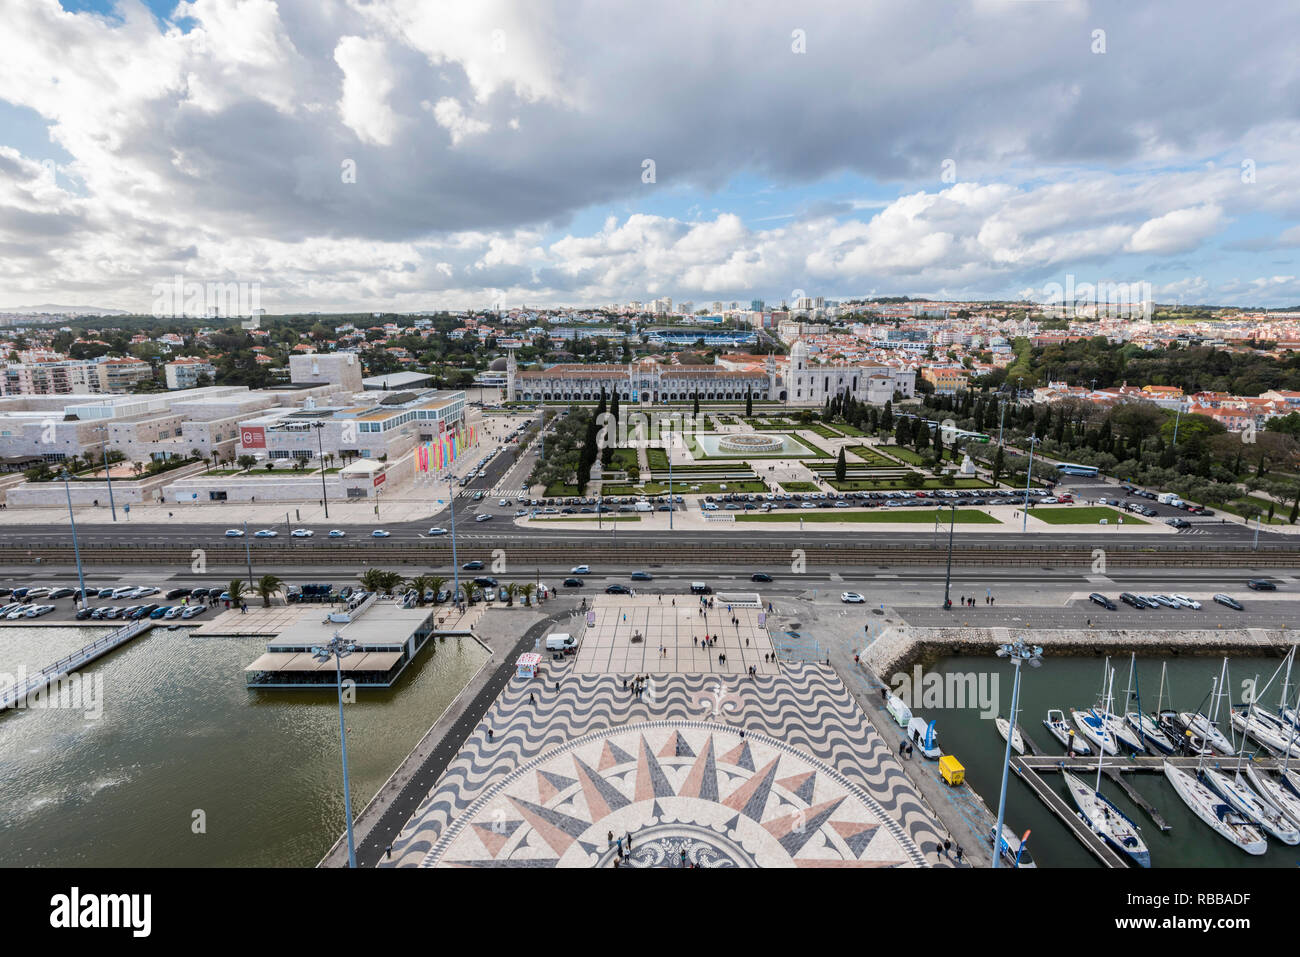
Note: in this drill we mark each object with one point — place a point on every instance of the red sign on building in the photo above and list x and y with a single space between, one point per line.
379 479
253 437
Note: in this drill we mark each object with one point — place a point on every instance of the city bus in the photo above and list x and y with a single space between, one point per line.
1070 468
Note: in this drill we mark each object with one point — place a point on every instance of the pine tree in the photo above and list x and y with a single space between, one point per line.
749 403
840 467
695 411
887 419
1295 507
997 465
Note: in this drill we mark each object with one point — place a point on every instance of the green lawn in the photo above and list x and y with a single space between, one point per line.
871 458
1081 515
917 516
800 486
682 486
884 485
847 429
825 431
559 489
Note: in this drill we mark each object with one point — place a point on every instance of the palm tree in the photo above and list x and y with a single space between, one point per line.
392 581
267 587
435 584
373 579
511 591
527 590
236 590
468 589
421 584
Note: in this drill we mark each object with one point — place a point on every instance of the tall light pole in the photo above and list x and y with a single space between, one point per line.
248 555
1002 415
1019 653
76 549
1178 414
947 578
338 649
455 565
320 447
108 477
1029 478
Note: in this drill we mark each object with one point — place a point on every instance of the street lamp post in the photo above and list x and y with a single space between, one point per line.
1029 478
1178 414
455 565
1002 415
320 447
76 549
947 578
338 649
108 477
1019 653
248 555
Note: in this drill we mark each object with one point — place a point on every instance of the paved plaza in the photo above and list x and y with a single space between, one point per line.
778 770
665 634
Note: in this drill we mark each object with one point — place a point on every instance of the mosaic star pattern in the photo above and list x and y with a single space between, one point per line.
810 783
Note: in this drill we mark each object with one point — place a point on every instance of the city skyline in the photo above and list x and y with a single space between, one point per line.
387 157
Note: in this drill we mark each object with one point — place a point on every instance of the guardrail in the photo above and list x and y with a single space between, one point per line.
12 695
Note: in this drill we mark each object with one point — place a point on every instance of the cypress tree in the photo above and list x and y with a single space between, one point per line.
840 467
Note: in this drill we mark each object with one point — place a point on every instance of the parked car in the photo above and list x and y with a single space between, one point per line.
852 598
484 517
1132 600
1097 598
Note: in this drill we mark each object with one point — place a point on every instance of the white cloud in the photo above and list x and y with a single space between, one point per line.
1177 231
368 82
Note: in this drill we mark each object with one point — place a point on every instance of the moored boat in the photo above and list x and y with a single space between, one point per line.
1017 739
1214 811
1112 824
1237 793
1060 729
1092 727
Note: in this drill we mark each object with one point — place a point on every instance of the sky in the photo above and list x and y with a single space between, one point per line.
407 155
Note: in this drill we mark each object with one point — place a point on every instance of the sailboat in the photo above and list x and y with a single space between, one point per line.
1283 791
1095 729
1124 736
1205 728
1060 729
1237 792
1017 739
1271 733
1211 809
1143 725
1107 820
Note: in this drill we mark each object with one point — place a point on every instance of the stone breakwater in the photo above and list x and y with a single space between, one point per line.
902 646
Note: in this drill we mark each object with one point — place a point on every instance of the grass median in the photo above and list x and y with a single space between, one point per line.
1081 515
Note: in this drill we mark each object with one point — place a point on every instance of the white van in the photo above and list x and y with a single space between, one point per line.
1169 498
560 641
644 507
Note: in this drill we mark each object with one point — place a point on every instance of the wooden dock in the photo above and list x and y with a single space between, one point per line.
1056 804
1129 792
14 694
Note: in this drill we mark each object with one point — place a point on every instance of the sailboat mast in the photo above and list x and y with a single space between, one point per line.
1101 751
1161 699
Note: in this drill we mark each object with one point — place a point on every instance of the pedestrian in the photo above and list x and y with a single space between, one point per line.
624 684
489 734
629 840
960 852
533 700
947 846
746 642
557 686
683 857
389 852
